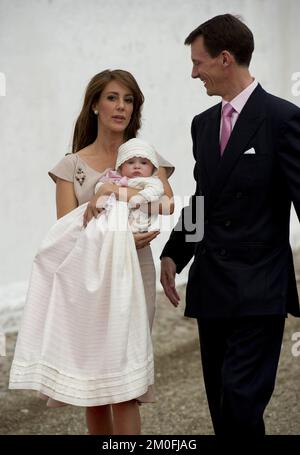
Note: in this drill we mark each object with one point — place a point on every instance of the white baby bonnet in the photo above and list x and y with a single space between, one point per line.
137 147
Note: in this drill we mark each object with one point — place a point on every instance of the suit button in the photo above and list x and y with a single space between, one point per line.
227 223
239 194
223 252
206 221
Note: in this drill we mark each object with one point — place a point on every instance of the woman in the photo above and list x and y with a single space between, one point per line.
110 116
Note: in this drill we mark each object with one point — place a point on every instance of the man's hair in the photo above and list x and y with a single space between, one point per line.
225 32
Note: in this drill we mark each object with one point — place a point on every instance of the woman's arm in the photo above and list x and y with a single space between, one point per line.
65 197
165 205
122 194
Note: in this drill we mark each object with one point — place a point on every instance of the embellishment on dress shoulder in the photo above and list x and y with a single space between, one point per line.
80 175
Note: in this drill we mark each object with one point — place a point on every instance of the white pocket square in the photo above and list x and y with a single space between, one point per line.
250 152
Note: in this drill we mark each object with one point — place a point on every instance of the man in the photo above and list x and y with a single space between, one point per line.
242 283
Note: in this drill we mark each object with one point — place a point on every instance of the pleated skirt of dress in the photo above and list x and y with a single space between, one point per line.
85 334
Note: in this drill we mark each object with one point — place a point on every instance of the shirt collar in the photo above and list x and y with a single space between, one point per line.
241 99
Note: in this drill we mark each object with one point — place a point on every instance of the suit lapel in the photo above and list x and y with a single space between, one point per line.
210 144
247 124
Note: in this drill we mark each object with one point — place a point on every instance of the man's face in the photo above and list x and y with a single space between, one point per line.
209 69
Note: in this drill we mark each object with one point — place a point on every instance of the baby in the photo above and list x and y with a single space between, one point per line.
136 167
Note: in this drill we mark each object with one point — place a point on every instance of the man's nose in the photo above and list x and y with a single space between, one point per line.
194 73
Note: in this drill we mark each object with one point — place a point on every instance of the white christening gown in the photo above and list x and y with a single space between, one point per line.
85 335
87 341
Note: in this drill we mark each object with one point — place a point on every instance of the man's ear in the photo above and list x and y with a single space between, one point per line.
227 58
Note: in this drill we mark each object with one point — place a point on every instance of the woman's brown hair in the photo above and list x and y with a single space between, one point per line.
85 131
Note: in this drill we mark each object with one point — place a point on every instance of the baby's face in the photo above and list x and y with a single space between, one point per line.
137 167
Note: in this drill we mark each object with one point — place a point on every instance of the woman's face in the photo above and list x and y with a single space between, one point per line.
115 107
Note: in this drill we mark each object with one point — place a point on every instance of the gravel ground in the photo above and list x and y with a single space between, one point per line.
181 407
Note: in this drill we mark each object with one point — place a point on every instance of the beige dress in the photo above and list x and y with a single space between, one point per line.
26 371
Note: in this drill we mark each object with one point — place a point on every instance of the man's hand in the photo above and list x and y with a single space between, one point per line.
167 279
143 239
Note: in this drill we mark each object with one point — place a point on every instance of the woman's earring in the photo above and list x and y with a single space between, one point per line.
95 112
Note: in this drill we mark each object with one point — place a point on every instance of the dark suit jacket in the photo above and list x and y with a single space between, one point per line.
243 265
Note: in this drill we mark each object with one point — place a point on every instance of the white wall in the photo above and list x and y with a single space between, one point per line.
50 49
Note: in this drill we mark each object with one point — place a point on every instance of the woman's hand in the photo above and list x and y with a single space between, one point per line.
96 203
91 210
107 188
143 239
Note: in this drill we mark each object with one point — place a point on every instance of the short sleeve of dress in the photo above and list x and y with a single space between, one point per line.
65 168
164 163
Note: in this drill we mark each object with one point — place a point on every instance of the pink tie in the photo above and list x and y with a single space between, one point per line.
227 112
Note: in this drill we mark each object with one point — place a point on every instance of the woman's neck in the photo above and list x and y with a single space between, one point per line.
107 144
